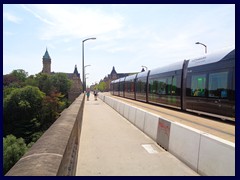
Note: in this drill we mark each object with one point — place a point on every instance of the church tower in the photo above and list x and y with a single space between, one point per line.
76 87
46 63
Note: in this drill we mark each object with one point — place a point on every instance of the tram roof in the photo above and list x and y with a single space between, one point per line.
210 58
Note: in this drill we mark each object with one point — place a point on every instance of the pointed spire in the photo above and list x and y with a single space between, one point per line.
113 71
75 70
46 56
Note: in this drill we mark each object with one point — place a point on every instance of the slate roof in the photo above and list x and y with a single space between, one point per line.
46 56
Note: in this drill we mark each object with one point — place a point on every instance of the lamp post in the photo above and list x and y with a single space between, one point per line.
83 78
86 80
203 45
85 75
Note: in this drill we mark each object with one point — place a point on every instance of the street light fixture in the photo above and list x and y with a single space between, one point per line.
145 67
203 45
83 67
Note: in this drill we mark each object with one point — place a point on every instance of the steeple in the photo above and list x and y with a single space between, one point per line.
113 71
46 63
46 56
76 71
113 74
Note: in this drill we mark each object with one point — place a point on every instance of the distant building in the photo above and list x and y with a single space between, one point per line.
114 75
46 63
76 87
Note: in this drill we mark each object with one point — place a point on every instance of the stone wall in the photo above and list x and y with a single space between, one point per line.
56 152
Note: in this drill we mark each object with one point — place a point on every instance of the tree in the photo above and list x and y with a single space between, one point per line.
52 106
44 83
9 79
22 111
61 83
31 81
20 74
13 150
102 86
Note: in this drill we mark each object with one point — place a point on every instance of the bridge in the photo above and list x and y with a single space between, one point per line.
109 137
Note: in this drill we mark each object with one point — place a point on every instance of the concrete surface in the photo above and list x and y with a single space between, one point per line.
184 144
212 156
54 152
194 147
112 146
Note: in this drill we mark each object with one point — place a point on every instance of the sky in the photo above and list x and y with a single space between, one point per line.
128 36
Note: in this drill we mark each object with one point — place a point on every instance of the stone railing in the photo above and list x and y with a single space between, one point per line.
56 152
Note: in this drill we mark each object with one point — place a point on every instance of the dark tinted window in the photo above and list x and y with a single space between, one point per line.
141 86
163 86
198 85
218 85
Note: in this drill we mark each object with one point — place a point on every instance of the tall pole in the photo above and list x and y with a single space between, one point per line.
203 45
83 65
83 71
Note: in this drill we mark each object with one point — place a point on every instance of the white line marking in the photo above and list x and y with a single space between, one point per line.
149 149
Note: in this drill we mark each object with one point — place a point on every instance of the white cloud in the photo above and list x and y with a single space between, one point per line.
12 18
73 22
37 15
8 33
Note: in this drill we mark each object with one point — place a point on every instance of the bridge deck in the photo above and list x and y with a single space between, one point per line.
112 146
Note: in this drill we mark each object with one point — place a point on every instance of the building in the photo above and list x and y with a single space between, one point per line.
76 87
114 75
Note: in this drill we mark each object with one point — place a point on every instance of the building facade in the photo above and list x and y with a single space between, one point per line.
114 75
76 87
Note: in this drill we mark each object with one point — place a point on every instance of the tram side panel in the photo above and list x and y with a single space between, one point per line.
141 86
210 89
165 89
130 86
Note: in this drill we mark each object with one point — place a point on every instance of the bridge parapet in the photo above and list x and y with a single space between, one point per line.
55 153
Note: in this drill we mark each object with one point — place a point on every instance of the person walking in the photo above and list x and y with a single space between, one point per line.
95 95
88 94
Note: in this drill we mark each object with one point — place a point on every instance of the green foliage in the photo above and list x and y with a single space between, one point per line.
61 83
13 150
9 79
31 81
58 82
15 79
7 90
22 109
102 86
20 74
44 83
31 104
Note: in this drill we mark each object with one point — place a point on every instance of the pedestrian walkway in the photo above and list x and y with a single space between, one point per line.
111 146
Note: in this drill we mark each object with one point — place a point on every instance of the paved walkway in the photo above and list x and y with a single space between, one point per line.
112 146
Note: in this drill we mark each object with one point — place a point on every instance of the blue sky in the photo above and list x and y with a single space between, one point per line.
128 36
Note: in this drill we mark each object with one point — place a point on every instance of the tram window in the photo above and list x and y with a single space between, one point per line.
198 85
218 85
166 86
153 85
174 85
141 86
162 86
